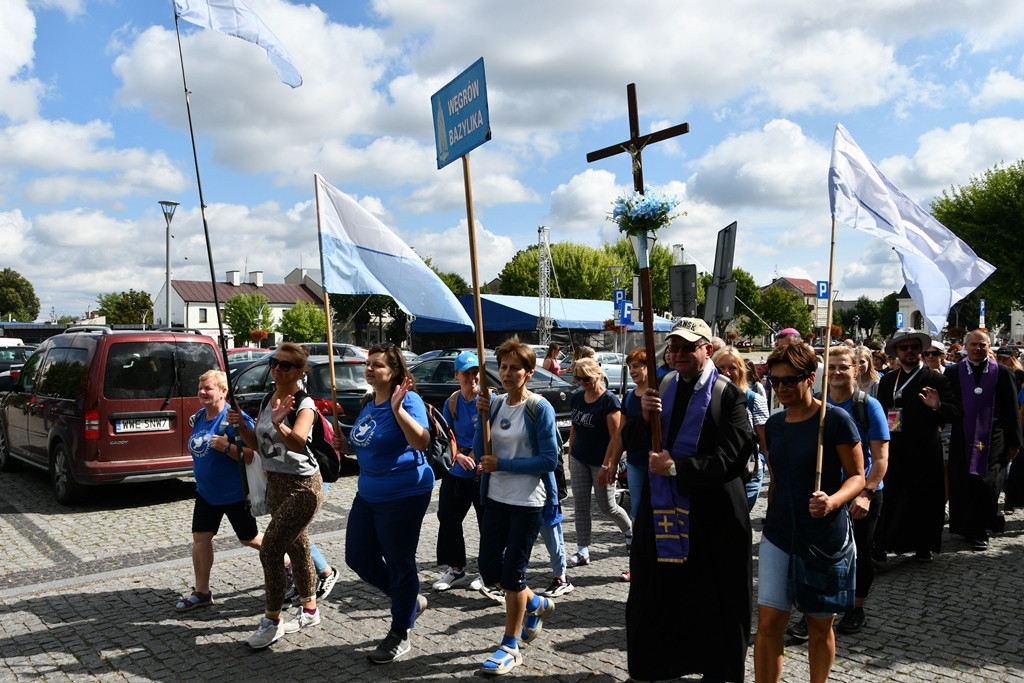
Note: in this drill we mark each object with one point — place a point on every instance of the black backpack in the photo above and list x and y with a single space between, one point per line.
321 443
440 452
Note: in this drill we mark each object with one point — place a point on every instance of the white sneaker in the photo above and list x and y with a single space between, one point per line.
302 620
267 633
450 579
477 584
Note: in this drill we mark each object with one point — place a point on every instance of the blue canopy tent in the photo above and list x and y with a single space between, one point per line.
516 313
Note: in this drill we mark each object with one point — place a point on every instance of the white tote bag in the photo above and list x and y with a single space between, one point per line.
257 479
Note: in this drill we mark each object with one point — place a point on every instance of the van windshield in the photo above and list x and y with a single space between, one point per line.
140 370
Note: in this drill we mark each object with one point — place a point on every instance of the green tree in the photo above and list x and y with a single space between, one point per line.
887 311
303 322
988 214
660 258
18 299
778 308
454 281
126 308
748 295
245 313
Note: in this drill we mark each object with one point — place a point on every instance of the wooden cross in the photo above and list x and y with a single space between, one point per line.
634 146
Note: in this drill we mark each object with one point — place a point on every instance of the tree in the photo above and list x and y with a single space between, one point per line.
18 299
748 295
246 313
988 214
887 311
126 308
454 281
659 259
779 308
303 322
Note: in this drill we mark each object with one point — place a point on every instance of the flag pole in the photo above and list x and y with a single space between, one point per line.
327 304
824 372
477 307
202 210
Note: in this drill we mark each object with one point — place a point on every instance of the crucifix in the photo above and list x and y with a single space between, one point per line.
634 147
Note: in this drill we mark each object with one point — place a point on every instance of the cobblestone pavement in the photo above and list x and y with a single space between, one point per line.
87 594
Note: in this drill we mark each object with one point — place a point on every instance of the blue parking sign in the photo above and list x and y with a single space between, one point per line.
822 289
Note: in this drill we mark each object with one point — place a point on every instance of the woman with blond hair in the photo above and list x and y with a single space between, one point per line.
730 363
867 375
595 448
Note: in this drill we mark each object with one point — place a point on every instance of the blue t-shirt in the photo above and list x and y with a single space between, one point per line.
389 468
591 422
632 408
792 455
218 477
878 429
464 427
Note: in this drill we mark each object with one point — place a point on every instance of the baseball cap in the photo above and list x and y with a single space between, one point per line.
690 329
466 360
1005 352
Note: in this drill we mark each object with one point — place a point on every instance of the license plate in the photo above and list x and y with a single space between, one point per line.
564 424
155 424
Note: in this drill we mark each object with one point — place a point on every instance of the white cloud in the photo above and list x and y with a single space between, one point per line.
19 96
1000 87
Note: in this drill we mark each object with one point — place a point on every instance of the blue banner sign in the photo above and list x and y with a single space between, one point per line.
461 121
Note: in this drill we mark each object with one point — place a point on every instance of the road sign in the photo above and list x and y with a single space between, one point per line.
823 289
626 314
899 320
461 121
981 317
618 298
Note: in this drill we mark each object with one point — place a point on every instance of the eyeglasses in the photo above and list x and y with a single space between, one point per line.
583 378
790 381
931 353
908 347
684 348
284 365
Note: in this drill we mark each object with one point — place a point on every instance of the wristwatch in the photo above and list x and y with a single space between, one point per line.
672 469
870 492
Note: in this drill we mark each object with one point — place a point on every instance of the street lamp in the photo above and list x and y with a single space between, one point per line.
168 208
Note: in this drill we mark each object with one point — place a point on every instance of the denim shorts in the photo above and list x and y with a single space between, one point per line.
773 579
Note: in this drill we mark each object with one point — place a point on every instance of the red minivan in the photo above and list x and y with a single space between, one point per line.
98 406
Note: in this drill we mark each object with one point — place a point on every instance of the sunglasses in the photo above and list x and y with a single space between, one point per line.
583 378
908 347
931 353
790 381
684 348
284 365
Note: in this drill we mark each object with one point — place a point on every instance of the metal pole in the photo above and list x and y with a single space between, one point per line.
168 208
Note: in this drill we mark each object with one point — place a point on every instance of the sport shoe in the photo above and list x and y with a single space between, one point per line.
325 584
266 633
558 587
450 579
798 631
494 593
477 583
391 648
852 621
302 620
421 605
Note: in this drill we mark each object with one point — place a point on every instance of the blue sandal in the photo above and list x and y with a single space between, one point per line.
535 620
503 660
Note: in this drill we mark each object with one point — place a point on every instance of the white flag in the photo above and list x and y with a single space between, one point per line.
361 255
938 267
234 18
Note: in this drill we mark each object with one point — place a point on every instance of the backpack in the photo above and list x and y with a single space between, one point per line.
860 410
752 458
321 440
440 452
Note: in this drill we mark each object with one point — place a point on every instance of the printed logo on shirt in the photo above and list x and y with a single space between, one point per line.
199 445
582 419
504 423
362 432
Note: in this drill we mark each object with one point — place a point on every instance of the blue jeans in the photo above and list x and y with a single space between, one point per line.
635 477
380 547
555 543
506 540
753 487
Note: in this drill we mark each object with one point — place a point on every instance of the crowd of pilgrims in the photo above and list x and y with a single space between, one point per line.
893 428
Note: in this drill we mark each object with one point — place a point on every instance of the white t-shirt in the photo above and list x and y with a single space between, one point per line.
510 440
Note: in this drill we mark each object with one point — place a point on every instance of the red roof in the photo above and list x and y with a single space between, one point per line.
805 287
200 291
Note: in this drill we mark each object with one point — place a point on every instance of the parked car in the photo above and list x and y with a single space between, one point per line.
451 353
435 382
251 384
613 375
410 357
340 350
95 406
247 353
12 357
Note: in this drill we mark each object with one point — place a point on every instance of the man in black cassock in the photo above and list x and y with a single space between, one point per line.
982 442
691 571
917 401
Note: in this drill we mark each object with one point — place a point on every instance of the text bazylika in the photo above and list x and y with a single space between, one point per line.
465 127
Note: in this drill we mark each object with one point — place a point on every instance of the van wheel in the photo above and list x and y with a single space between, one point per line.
66 490
7 463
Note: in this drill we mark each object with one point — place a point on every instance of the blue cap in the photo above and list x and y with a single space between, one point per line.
466 360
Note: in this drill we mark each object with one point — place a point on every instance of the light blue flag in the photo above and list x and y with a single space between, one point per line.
234 18
361 255
938 267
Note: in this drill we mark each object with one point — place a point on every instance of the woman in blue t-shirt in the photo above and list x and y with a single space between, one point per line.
218 484
395 483
792 437
595 448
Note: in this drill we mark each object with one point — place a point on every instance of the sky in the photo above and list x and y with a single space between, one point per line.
94 129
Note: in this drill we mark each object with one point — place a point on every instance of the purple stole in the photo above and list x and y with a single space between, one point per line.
671 508
978 411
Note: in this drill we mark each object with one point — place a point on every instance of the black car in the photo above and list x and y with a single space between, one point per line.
251 384
435 382
13 357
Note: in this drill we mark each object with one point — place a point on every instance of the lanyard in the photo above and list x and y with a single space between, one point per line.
897 392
